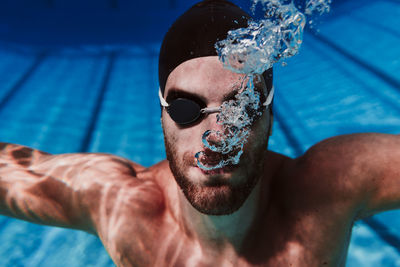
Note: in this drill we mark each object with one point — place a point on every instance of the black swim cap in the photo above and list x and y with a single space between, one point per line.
195 33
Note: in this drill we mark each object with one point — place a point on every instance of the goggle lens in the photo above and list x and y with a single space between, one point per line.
184 111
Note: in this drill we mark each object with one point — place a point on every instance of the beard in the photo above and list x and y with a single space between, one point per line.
217 196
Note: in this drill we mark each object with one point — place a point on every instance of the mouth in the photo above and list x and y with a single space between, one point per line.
220 171
211 159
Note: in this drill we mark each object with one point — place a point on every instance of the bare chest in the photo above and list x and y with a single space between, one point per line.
297 243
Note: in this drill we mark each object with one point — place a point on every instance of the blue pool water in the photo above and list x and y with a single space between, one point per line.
99 99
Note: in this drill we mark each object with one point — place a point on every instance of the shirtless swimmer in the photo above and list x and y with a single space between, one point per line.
269 210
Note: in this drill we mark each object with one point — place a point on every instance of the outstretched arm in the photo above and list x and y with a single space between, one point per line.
363 169
56 190
381 167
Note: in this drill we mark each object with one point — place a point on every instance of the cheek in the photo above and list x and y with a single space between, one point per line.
171 136
259 133
182 140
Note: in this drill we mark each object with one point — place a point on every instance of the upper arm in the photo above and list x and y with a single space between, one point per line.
362 170
380 173
56 189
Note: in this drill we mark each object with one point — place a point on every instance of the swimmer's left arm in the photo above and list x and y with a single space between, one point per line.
367 168
380 165
357 171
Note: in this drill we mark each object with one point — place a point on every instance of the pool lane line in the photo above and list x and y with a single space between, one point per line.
288 133
379 228
85 145
396 2
375 71
20 82
384 232
380 27
341 62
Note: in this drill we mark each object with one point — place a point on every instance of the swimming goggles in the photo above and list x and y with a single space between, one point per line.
186 111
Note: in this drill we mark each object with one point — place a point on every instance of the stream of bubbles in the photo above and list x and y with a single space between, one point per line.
251 51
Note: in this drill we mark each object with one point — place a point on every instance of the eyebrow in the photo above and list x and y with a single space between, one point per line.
235 91
231 95
175 93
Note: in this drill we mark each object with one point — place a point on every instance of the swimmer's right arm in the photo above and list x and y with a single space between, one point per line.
58 190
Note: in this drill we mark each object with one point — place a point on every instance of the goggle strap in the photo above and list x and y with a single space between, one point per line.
162 100
211 110
269 97
217 109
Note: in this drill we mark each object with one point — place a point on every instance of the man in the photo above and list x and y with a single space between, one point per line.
268 210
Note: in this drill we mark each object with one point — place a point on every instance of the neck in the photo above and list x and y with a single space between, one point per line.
224 231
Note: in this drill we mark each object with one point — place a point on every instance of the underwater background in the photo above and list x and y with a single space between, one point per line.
81 76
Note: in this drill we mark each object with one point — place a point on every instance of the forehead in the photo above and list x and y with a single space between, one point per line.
202 75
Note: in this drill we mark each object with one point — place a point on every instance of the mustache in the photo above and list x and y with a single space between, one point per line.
209 158
189 159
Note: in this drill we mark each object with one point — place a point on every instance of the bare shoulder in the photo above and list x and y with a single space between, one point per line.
340 171
349 156
114 187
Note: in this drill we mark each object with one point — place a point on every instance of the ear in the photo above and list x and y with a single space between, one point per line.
271 123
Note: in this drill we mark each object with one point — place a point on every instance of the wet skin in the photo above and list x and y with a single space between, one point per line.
299 213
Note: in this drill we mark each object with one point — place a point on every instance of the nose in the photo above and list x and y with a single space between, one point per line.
213 130
211 120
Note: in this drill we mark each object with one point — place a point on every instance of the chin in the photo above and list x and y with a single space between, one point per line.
214 200
217 193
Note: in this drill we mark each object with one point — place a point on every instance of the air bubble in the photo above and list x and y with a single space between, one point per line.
251 51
